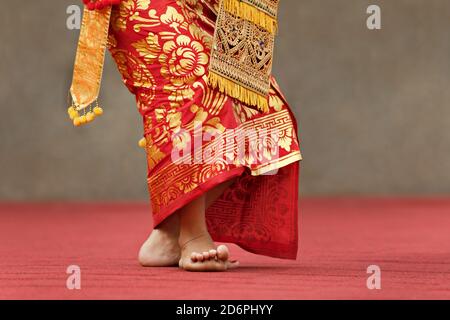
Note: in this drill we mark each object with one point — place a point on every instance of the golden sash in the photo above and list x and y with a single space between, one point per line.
88 68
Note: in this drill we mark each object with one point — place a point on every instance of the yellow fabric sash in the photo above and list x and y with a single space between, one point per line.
88 68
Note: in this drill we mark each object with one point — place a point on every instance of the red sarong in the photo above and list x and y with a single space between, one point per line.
162 49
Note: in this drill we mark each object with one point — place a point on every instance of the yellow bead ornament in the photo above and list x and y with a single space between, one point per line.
72 113
83 119
90 116
142 143
71 110
76 122
98 111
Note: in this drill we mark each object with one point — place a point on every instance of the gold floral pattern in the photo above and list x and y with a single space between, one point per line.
129 10
162 50
183 61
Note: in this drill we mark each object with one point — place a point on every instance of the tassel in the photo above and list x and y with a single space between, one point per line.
89 113
251 13
237 91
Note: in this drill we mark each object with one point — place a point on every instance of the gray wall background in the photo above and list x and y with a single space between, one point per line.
373 106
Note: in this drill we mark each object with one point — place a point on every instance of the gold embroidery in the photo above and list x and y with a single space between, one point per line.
261 12
129 10
154 156
183 61
148 48
160 181
133 70
241 58
211 99
173 19
279 163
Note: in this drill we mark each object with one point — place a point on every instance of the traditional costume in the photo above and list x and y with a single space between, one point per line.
201 74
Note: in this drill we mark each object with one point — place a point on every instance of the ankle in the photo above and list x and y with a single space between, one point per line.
170 227
165 235
186 238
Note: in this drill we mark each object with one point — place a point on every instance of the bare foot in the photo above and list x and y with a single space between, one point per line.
200 254
161 249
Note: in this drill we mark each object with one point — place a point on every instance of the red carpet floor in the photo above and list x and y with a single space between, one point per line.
409 239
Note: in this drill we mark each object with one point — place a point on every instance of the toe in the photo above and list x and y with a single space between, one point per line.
200 257
223 253
212 254
194 256
206 255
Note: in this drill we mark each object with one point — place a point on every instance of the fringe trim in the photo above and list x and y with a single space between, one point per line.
239 92
249 12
